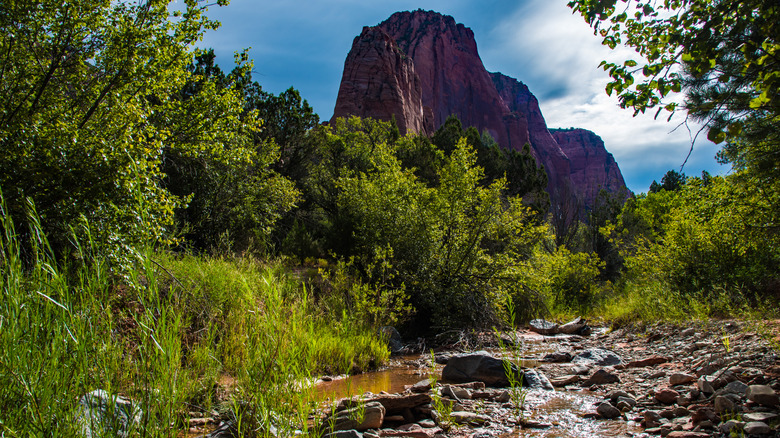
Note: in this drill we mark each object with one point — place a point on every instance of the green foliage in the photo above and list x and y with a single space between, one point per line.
568 280
698 240
447 241
88 111
163 336
724 54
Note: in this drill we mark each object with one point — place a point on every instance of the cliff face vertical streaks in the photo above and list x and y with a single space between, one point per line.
421 67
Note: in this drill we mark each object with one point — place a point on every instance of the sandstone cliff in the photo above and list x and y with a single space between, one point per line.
592 167
421 67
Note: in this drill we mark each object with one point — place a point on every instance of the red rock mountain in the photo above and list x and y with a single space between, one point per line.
421 67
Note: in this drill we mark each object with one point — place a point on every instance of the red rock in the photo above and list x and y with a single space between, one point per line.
666 396
421 67
647 362
687 434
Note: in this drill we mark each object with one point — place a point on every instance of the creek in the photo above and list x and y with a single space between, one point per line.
563 411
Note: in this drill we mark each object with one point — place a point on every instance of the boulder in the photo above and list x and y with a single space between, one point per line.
535 379
757 428
606 410
666 396
601 377
572 327
100 413
543 327
597 356
393 338
479 366
681 379
368 416
557 357
763 395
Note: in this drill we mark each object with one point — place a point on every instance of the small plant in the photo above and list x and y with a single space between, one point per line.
442 408
513 362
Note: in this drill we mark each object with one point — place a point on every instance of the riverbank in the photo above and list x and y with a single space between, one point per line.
697 379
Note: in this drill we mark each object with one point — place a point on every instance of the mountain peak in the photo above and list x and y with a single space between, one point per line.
422 66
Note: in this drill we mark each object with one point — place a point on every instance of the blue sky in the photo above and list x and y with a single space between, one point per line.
304 43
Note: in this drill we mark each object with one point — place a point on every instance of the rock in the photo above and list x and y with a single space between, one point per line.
647 362
705 384
731 427
724 405
597 356
557 357
704 414
479 366
680 411
736 387
757 428
688 332
463 417
763 395
652 419
456 393
422 66
681 379
572 327
369 416
765 417
394 341
100 413
535 379
565 380
601 377
543 327
397 403
421 386
687 434
666 396
606 410
351 433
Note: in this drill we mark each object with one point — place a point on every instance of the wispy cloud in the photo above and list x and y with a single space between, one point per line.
556 54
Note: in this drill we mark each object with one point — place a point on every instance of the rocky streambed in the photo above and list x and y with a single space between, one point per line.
716 379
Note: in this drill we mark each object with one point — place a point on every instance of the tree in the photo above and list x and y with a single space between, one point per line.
90 106
725 54
671 181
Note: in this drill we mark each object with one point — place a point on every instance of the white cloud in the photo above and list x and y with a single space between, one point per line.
556 54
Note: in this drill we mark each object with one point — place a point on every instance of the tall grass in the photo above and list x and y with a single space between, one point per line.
164 332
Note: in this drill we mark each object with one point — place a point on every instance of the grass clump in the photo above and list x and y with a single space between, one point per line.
163 332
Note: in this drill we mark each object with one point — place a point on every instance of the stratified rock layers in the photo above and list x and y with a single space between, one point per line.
421 67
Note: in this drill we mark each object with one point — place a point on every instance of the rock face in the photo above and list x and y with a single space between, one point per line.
591 165
421 67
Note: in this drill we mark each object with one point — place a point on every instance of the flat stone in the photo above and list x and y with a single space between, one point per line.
687 434
597 356
647 362
463 417
757 428
565 380
765 417
681 379
652 419
606 410
421 387
763 395
705 384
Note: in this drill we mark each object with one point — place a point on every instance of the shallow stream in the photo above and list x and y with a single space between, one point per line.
563 410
